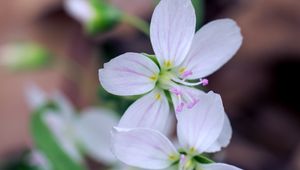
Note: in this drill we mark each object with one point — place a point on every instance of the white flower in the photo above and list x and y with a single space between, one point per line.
203 129
88 131
181 57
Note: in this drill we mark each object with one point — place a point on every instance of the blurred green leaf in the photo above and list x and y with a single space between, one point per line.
46 142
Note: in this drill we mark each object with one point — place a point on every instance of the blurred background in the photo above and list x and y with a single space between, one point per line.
259 86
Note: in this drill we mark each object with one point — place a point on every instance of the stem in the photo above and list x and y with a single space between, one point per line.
136 22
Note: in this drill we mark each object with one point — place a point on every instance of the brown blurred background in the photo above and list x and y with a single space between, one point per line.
259 86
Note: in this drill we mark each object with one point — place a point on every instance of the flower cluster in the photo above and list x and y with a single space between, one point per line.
182 59
181 62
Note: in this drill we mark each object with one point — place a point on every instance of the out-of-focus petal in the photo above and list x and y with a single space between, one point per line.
150 111
63 132
93 132
35 96
129 74
64 105
38 159
80 10
219 166
199 127
224 138
213 45
172 30
143 148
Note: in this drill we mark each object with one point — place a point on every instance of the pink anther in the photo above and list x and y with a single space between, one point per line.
179 107
186 74
204 82
175 91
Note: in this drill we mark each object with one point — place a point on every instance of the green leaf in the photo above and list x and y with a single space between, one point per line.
46 143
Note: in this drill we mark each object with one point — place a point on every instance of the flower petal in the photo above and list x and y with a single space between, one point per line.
129 74
213 45
150 111
80 10
224 138
172 30
62 131
93 131
219 166
199 127
35 96
143 148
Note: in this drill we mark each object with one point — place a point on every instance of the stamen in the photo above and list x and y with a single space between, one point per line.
157 96
178 94
193 103
175 91
185 163
154 77
168 64
190 100
179 107
204 82
182 159
185 74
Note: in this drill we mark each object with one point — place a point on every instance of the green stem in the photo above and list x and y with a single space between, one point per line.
136 22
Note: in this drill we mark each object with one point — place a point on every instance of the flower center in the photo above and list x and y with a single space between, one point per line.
170 80
165 79
186 162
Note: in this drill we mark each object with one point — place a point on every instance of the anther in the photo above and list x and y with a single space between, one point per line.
204 82
175 91
186 74
179 107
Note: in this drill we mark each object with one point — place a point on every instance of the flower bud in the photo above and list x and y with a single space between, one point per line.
96 15
23 56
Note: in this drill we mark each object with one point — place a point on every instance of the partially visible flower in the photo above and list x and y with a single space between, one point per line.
23 56
77 134
95 15
182 59
39 160
203 129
